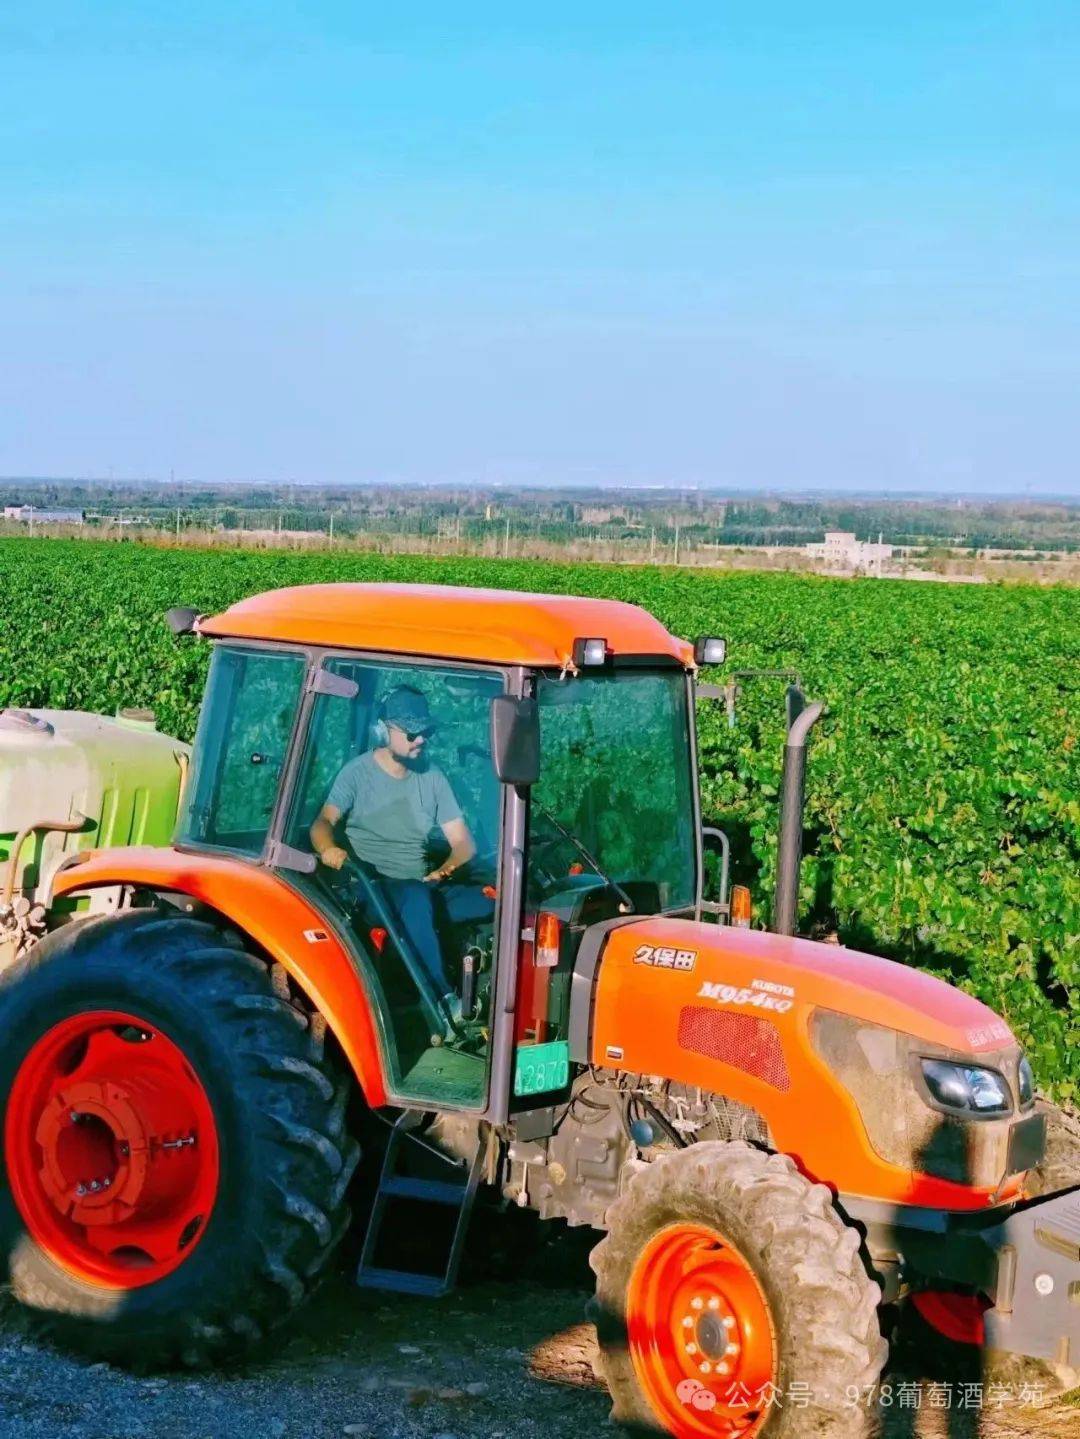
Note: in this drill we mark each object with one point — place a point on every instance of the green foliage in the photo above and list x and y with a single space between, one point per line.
943 814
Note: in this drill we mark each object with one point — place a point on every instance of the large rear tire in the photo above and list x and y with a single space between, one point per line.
175 1149
732 1302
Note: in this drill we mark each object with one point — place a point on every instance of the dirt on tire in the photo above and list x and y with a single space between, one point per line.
822 1303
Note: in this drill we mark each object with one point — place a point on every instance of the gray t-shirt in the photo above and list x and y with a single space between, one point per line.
388 820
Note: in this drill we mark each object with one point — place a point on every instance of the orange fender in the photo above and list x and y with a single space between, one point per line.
282 922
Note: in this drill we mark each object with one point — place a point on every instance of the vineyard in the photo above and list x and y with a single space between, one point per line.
943 818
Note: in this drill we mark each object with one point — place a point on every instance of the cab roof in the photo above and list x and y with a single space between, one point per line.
446 622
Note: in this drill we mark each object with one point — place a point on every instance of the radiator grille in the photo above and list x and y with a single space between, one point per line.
744 1041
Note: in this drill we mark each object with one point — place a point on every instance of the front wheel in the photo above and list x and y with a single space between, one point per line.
732 1302
175 1152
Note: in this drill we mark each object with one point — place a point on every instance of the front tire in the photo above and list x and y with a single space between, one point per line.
732 1302
175 1151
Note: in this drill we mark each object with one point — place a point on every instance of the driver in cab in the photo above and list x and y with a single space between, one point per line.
391 799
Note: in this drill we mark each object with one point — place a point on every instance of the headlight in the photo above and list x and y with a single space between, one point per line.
943 1133
965 1088
1026 1084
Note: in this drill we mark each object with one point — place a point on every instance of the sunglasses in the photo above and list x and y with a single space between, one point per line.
411 734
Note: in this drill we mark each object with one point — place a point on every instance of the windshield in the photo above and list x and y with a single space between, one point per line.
615 771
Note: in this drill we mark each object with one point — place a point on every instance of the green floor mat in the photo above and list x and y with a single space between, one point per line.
446 1076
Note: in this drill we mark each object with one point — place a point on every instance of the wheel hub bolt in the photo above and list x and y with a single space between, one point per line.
92 1186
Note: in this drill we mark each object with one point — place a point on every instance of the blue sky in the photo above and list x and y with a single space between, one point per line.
729 244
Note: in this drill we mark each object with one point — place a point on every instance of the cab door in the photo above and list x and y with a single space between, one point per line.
426 948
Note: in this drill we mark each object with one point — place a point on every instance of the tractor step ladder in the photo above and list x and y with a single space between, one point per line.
457 1194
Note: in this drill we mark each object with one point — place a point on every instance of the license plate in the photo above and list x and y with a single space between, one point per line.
1027 1143
542 1068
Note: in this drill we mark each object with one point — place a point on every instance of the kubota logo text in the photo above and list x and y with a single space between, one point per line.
662 958
761 994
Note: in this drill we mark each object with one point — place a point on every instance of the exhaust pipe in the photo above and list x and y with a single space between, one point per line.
801 720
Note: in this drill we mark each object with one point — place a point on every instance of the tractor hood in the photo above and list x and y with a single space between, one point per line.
652 968
820 1043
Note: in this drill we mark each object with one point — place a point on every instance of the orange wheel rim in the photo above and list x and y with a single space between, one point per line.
111 1149
701 1335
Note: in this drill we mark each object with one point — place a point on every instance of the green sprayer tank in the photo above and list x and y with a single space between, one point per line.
108 781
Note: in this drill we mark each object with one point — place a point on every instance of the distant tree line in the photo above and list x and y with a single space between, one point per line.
631 517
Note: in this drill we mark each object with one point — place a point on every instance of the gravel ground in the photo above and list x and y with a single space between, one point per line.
354 1363
497 1360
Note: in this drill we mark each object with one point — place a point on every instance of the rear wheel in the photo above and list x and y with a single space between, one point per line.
111 1148
732 1302
175 1152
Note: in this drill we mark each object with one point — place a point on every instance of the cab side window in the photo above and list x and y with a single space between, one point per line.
245 728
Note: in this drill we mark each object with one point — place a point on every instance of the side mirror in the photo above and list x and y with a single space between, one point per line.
182 620
515 739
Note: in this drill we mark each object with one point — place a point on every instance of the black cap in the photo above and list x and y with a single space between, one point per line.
408 709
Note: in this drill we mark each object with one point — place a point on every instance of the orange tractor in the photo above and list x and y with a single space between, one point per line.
438 879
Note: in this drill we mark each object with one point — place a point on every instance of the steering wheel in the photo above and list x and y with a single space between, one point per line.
548 877
482 870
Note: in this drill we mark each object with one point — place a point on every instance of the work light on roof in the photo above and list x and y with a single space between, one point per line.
710 650
590 652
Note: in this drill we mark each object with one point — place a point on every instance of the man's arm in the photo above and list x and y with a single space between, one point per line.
322 837
449 818
462 849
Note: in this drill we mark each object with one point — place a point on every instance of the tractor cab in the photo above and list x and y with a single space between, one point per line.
448 883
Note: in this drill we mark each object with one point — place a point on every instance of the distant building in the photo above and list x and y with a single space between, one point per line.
27 514
601 514
842 551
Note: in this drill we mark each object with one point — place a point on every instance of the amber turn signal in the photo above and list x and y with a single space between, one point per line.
741 908
546 953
